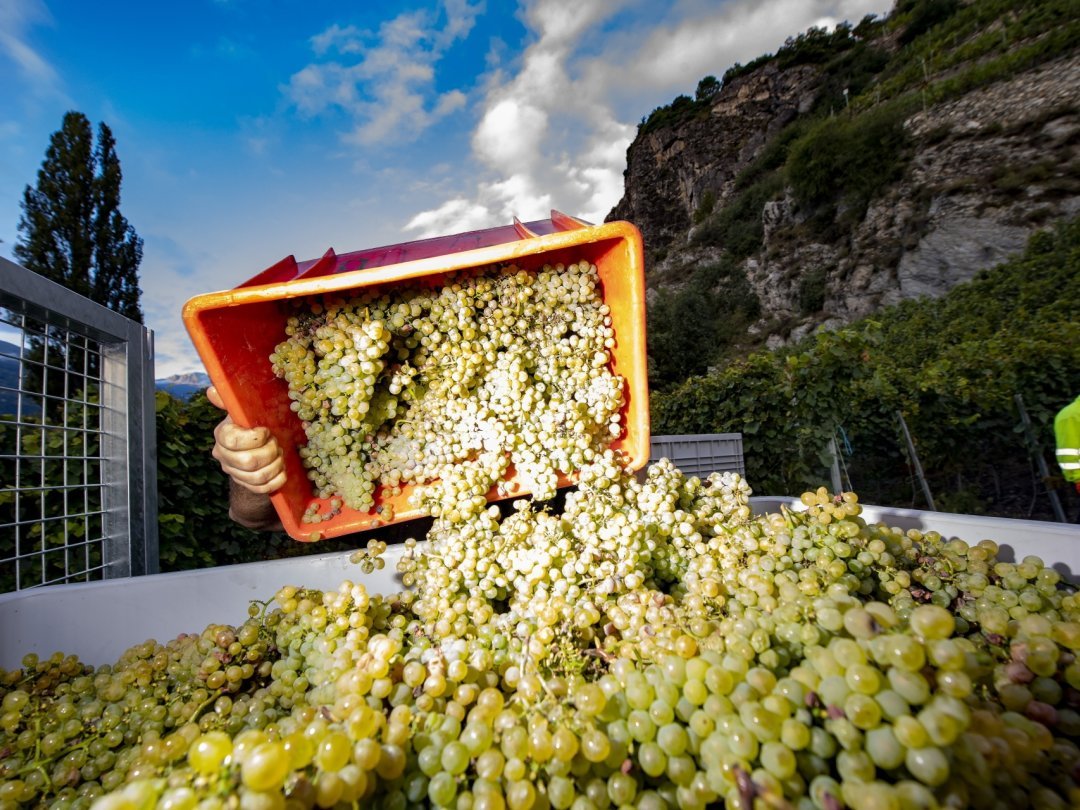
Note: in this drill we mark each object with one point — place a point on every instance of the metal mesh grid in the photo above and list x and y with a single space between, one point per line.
52 526
78 484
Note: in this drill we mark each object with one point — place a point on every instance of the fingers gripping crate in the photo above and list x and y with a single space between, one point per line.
236 331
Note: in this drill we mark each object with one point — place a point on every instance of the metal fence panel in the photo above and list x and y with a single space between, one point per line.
78 485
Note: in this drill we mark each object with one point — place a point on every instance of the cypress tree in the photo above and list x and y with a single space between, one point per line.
71 229
118 251
72 232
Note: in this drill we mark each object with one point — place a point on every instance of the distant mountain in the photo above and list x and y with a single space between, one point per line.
193 378
182 386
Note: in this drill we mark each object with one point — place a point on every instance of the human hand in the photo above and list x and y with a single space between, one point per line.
249 456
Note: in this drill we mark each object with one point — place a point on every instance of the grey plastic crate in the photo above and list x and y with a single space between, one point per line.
701 453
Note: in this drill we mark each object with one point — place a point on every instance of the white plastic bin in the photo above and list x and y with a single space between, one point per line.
99 620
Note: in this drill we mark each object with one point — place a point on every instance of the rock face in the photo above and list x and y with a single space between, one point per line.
989 168
949 252
670 171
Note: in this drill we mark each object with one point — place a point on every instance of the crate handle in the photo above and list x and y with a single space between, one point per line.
523 230
325 266
565 222
284 270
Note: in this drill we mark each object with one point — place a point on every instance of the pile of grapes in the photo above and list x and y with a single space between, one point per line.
448 385
653 645
649 643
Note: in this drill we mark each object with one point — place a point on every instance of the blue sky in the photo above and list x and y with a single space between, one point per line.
249 130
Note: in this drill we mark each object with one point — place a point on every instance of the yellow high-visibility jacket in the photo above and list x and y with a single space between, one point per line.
1067 435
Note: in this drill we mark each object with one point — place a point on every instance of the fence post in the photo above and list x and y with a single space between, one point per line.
1035 450
915 462
834 468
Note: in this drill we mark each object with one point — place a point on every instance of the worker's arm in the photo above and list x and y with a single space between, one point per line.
253 461
251 509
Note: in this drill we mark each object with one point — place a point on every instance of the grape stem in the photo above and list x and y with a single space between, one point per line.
39 764
202 706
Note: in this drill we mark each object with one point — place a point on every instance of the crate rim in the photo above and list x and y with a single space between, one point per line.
412 268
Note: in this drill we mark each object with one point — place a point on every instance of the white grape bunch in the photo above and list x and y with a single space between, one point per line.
445 387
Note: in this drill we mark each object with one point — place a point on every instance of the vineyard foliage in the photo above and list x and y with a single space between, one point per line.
951 366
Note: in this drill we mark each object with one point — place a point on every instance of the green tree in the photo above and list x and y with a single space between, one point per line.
71 229
690 328
707 88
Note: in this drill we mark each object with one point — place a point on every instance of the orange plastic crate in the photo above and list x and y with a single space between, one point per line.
235 332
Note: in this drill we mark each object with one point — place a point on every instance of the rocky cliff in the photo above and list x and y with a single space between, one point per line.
982 169
672 169
989 168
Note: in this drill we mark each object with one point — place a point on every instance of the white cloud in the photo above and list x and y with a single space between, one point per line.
559 23
384 81
453 216
535 125
448 102
555 125
517 195
16 18
460 18
510 133
496 53
679 51
345 40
